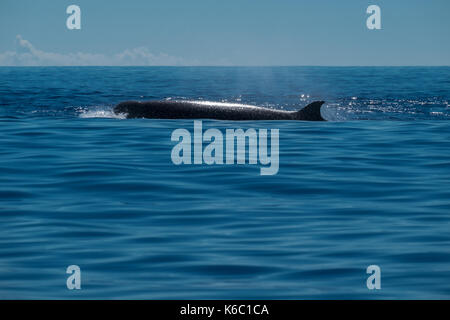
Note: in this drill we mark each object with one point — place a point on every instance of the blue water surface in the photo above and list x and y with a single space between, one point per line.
81 186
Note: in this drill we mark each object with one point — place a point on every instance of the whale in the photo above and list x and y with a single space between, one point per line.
178 109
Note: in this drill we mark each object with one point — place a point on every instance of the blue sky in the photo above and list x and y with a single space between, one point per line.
226 32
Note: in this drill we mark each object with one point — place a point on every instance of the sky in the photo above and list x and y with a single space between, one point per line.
226 32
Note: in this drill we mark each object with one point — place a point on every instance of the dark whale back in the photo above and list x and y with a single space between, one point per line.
213 110
311 112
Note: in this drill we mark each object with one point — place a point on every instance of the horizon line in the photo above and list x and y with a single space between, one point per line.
227 66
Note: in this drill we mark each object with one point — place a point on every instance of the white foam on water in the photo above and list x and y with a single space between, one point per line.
101 112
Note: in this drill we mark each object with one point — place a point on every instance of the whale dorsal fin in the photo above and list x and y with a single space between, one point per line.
311 112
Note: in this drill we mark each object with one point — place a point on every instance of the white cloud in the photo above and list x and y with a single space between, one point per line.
26 54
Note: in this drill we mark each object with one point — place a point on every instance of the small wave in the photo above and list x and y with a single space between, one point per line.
101 113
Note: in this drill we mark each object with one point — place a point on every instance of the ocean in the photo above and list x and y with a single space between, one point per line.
82 186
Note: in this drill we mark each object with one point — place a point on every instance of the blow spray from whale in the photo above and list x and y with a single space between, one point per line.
214 110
